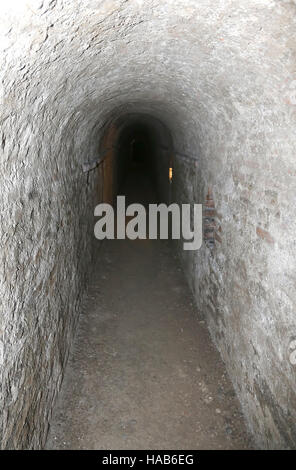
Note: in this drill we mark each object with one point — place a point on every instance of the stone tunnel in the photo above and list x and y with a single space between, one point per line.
212 87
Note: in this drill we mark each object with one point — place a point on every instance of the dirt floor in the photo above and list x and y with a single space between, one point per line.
143 373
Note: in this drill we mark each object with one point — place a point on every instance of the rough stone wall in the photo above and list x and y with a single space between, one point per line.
46 229
245 286
222 80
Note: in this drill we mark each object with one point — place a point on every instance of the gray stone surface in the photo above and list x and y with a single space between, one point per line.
221 77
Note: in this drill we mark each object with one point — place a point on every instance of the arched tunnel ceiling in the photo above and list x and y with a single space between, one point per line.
194 65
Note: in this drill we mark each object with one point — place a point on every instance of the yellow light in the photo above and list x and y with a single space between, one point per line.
170 173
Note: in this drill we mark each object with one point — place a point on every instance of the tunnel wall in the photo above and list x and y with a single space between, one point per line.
222 80
244 286
46 256
47 248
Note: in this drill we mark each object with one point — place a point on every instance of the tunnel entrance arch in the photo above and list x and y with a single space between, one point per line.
123 140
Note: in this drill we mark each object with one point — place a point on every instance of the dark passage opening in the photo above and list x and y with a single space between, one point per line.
136 160
143 159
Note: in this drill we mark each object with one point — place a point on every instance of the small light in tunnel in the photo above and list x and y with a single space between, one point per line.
170 174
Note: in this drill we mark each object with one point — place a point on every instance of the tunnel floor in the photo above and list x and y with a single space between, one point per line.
143 372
